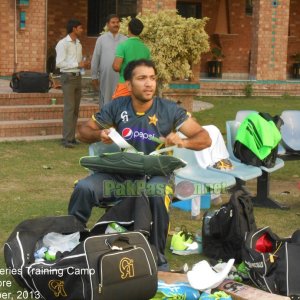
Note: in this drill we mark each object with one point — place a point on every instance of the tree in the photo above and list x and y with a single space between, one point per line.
175 42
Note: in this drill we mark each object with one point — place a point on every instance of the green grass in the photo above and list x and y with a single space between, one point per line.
225 108
36 179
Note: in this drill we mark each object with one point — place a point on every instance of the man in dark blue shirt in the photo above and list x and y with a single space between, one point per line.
138 118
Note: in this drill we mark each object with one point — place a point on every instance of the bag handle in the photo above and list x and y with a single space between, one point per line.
50 84
14 82
111 240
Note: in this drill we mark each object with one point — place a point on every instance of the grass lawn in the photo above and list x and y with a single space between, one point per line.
36 179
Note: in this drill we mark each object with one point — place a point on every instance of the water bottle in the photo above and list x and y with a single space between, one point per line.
40 253
82 70
114 227
196 203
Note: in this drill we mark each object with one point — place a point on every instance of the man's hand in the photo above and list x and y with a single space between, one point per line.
105 139
85 64
173 139
95 83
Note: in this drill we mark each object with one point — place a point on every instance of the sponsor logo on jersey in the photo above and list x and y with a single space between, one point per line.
128 133
124 116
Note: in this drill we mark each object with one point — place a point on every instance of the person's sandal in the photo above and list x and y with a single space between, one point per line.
223 164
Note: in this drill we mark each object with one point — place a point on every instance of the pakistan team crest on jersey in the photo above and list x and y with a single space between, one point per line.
152 120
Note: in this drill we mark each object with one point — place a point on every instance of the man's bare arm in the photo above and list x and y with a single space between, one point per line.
89 132
197 138
117 64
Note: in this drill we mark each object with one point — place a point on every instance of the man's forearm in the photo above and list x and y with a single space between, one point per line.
199 141
88 134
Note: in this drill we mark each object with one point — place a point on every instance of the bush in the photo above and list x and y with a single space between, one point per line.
175 42
248 90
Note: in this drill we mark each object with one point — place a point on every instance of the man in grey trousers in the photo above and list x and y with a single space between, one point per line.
69 60
103 75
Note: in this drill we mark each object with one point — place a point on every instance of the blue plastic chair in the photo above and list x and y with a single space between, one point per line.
99 148
193 172
263 182
204 181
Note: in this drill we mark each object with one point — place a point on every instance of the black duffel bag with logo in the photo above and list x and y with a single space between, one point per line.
104 266
30 82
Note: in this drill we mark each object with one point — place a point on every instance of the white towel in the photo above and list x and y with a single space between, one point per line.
217 150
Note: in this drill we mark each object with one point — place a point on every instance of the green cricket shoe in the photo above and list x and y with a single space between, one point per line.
183 241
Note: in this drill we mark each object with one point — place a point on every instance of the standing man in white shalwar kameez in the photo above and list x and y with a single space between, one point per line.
104 78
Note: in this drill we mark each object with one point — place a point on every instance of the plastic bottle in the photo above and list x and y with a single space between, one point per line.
40 253
114 227
82 70
196 203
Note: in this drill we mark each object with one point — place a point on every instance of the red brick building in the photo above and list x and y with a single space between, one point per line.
258 37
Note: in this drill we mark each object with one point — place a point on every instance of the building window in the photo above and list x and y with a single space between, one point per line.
249 7
98 10
190 8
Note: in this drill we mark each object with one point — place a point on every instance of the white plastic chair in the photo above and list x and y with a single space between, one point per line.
290 130
263 182
242 114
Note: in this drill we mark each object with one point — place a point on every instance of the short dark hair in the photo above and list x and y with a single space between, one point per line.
135 26
71 24
136 63
112 16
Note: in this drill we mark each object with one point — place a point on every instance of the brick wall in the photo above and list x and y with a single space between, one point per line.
270 38
59 12
235 42
229 88
155 5
22 49
294 33
6 37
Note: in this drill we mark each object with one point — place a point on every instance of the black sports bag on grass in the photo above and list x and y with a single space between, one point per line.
104 266
273 262
223 230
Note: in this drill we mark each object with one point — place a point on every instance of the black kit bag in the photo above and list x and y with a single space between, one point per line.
107 266
30 82
249 129
19 257
125 266
274 268
262 262
223 230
